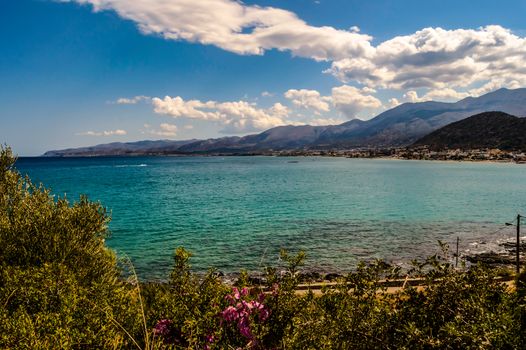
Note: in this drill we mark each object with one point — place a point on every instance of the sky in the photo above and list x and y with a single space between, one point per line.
84 72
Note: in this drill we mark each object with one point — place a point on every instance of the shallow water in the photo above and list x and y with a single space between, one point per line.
237 212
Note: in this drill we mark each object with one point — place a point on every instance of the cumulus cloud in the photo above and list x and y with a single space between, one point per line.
309 99
235 117
445 94
131 101
192 109
412 96
392 102
495 84
350 100
436 58
429 59
326 121
165 130
236 27
117 132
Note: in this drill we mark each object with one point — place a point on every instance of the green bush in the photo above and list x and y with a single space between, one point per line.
59 284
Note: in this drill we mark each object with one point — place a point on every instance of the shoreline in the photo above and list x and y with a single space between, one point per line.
282 156
422 154
502 260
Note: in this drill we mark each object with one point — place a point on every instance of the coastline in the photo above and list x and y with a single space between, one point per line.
420 153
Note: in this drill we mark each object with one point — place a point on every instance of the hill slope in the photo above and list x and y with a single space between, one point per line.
485 130
121 149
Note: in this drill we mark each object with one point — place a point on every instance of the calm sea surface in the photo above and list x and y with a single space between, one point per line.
237 212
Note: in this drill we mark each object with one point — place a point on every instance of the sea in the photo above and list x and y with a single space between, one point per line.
235 213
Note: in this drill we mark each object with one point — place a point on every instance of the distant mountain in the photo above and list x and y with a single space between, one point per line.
278 138
485 130
121 149
400 126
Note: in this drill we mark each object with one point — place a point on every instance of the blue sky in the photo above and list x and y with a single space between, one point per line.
72 74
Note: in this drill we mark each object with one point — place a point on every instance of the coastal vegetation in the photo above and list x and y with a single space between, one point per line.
489 130
61 287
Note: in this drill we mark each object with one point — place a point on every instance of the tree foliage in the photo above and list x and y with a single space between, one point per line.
59 284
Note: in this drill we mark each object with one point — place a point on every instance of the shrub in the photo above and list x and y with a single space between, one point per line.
59 284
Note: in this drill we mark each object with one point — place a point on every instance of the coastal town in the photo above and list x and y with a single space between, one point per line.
416 153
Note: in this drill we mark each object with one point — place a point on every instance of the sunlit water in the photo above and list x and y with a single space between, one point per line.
237 212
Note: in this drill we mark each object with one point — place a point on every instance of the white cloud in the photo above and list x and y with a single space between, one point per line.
445 94
118 132
368 90
242 116
429 59
308 99
267 94
392 102
131 101
495 84
236 27
165 130
435 58
350 100
326 121
412 96
193 109
235 117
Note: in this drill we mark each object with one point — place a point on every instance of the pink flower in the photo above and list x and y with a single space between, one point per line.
261 297
230 299
235 293
240 311
230 314
264 314
244 327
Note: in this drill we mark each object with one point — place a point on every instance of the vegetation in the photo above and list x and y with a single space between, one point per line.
488 130
62 288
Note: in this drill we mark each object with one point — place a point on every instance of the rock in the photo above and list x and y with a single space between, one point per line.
310 277
491 258
332 276
510 246
255 281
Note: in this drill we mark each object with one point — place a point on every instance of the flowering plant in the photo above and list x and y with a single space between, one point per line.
245 314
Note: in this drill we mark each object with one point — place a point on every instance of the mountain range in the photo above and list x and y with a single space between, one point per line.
397 127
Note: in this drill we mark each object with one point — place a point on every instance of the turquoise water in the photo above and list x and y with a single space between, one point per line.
237 212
